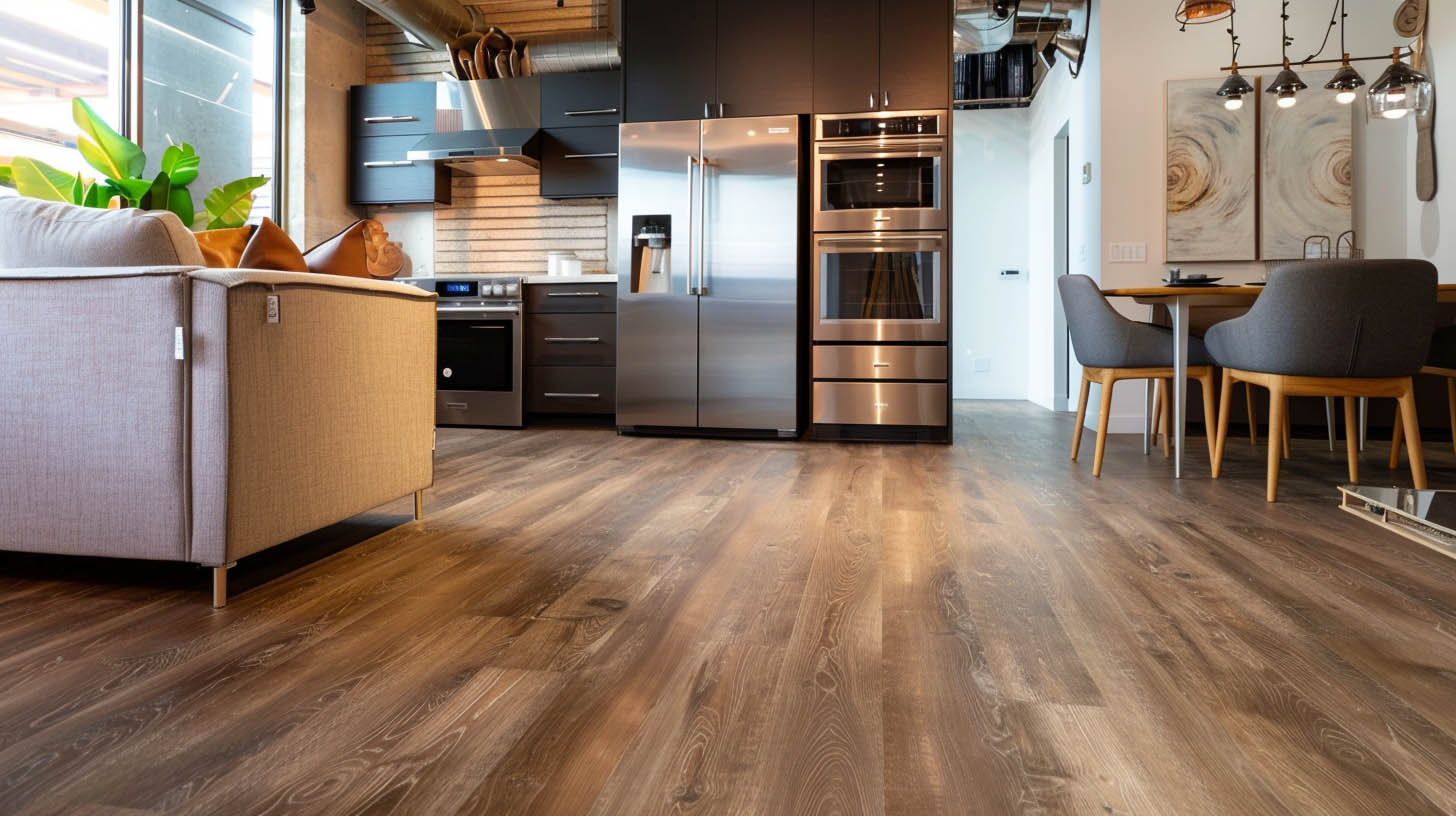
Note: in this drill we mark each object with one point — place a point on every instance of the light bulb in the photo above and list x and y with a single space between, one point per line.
1234 102
1395 113
1345 97
1396 94
1287 99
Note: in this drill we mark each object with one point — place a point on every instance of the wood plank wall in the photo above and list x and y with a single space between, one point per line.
498 223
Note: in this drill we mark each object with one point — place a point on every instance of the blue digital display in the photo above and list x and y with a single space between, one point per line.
458 288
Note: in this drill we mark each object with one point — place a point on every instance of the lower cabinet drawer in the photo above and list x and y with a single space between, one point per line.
875 403
880 363
572 339
571 389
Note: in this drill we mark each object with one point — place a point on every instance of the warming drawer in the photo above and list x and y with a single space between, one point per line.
880 403
880 363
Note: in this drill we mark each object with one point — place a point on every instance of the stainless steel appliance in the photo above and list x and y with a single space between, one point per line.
881 171
485 127
880 287
479 359
708 333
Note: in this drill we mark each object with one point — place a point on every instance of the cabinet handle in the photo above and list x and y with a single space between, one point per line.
399 163
872 100
590 156
593 112
458 406
707 110
381 120
720 110
882 365
573 339
886 106
573 294
567 395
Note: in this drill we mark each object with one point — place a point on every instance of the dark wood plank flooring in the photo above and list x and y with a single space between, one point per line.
594 624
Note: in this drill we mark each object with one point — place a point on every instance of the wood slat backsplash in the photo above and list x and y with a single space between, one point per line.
497 223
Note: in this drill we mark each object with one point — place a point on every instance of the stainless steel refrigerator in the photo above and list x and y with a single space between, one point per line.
709 224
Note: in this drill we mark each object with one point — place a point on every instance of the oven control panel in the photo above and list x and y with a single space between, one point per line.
455 289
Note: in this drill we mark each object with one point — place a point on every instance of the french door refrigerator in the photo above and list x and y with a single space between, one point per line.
709 223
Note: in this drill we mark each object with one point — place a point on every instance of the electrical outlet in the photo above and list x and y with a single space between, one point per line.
1127 252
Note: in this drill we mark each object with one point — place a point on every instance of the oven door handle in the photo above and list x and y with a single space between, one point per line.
898 150
466 311
844 243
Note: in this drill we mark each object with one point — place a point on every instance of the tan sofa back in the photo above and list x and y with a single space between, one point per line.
36 234
92 406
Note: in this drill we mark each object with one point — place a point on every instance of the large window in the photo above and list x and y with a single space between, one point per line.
204 73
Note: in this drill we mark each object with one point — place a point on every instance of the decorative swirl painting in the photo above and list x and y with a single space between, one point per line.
1306 171
1210 175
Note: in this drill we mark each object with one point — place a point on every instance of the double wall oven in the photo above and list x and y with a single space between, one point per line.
880 289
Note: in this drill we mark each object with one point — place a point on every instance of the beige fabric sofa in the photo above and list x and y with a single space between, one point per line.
153 409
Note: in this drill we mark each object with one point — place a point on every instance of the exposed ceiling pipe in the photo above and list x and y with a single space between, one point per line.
983 26
427 23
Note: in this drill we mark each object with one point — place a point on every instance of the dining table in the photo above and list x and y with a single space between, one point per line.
1179 300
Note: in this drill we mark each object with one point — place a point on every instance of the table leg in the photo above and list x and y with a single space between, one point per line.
1330 421
1148 399
1364 401
1179 313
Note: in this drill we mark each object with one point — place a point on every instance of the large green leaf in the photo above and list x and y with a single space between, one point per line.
180 163
97 196
6 179
180 203
78 191
36 179
158 195
230 205
130 189
108 151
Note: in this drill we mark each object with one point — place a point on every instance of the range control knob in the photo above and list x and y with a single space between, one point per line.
499 290
512 289
448 372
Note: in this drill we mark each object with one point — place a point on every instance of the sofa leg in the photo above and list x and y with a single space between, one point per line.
419 504
219 585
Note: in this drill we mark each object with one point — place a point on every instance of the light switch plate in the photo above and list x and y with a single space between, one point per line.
1127 252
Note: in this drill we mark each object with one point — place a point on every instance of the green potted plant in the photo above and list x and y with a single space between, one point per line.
122 165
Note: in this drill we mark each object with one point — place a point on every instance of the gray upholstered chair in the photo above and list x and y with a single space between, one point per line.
1111 347
1331 329
1441 362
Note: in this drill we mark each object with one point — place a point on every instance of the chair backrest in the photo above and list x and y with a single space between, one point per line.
35 234
1344 318
1099 333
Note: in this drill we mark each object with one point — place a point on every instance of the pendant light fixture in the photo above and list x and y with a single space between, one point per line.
1287 84
1347 79
1200 12
1400 90
1235 88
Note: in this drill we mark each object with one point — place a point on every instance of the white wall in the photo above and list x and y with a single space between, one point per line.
991 164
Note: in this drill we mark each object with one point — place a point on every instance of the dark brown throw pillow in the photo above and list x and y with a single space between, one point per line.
271 248
343 254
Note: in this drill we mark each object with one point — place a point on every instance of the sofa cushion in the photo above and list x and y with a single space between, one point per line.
36 233
223 248
343 254
271 248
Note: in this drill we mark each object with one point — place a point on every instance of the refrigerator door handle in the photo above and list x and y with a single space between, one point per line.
703 165
692 162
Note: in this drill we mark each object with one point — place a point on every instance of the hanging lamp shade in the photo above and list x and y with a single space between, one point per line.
1286 85
1198 12
1234 89
1344 83
1398 91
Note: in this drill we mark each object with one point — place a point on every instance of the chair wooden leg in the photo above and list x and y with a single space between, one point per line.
1165 389
1278 406
419 504
219 585
1205 381
1451 407
1081 417
1157 408
1413 436
1224 398
1253 418
1286 437
1352 440
1102 417
1397 437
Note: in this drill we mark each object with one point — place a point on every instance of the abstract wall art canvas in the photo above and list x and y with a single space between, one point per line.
1211 200
1306 170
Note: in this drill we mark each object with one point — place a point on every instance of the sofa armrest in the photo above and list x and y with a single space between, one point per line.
306 410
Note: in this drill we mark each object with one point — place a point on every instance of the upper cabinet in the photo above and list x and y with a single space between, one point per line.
881 55
385 121
695 59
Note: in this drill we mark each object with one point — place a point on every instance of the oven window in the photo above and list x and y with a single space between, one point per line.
879 286
877 184
475 355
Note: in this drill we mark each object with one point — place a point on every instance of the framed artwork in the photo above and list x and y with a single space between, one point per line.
1306 171
1210 202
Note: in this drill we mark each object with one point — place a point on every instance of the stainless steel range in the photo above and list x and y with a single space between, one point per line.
479 360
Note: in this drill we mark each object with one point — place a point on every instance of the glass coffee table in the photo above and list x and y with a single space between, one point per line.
1424 516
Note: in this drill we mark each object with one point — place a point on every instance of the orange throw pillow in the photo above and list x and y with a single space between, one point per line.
271 248
343 254
223 248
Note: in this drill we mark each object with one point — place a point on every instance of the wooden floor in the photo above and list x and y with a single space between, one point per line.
594 624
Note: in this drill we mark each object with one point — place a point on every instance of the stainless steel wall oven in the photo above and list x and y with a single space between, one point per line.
883 171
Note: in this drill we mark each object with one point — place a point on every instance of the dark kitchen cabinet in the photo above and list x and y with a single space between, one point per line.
579 162
695 59
881 55
571 348
669 58
385 121
392 109
585 99
765 62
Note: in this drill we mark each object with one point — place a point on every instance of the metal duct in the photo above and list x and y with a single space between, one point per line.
984 26
428 23
594 50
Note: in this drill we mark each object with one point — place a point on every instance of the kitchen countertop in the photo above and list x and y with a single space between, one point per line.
587 277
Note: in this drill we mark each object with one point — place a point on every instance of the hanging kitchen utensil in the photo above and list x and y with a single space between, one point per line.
485 59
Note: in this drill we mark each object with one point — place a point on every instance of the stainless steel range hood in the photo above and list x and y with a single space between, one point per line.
486 127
